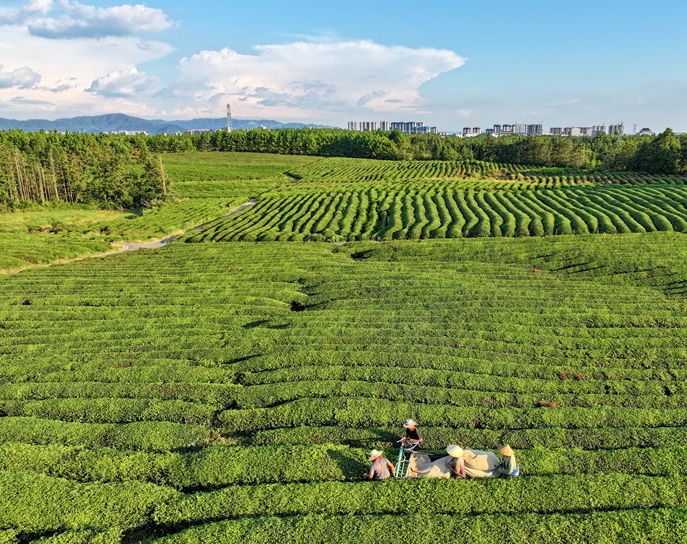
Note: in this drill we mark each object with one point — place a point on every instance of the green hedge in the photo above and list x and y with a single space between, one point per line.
145 435
368 413
211 467
623 527
34 503
222 466
545 494
439 437
277 393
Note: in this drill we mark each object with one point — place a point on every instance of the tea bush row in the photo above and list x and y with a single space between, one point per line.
616 527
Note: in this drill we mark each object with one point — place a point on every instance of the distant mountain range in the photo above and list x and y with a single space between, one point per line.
115 122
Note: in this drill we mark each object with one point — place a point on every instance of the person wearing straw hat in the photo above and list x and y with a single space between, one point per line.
412 434
381 468
508 466
457 464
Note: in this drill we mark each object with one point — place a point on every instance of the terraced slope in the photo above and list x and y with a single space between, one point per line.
341 170
233 394
454 209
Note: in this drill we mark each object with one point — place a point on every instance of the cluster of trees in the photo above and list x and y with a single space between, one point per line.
106 170
663 154
290 141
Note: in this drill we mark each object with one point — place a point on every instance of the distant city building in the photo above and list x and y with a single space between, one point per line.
645 132
618 129
535 130
198 130
520 128
126 132
471 131
506 130
578 131
406 127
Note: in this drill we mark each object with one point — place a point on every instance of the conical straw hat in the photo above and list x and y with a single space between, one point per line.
455 451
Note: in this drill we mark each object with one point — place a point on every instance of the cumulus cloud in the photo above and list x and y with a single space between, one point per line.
305 77
123 83
24 78
69 67
70 19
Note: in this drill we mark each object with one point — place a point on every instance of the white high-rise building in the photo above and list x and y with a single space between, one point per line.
367 126
618 129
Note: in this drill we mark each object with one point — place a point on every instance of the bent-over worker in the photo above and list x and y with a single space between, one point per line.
457 464
508 466
381 468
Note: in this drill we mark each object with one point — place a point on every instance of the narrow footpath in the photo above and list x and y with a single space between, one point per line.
133 246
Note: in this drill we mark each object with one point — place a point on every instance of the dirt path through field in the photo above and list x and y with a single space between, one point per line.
133 246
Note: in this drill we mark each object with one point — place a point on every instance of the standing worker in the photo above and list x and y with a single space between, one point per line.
508 466
412 434
381 468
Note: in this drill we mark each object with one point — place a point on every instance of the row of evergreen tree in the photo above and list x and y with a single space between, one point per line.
662 154
106 170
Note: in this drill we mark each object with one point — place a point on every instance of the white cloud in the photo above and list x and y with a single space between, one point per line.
24 78
123 83
70 19
303 78
69 67
324 79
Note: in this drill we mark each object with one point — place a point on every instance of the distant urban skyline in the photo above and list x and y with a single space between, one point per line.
450 64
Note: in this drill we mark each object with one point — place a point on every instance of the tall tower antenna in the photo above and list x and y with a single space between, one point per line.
230 122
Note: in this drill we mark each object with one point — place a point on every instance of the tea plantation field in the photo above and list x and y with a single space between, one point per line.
353 199
231 392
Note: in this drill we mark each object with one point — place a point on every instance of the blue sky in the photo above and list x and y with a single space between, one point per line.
449 64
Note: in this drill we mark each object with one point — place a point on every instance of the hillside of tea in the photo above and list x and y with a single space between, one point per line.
231 392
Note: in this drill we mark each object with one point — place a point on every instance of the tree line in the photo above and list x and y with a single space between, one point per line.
118 171
106 170
662 154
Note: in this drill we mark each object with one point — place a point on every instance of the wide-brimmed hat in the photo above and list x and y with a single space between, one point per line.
505 450
374 454
455 451
410 423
